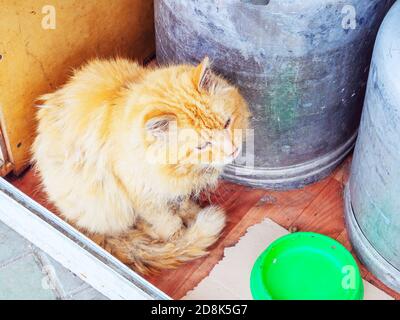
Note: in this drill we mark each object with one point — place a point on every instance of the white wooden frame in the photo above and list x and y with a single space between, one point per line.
71 248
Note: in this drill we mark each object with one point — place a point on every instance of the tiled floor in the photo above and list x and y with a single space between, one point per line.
28 273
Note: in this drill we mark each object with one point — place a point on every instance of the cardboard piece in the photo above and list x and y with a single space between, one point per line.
230 278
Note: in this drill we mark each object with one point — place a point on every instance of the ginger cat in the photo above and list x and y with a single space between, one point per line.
98 151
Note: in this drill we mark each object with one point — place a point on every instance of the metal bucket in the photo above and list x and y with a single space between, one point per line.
302 65
372 197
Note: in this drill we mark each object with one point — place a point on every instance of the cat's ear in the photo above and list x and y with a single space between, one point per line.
203 78
159 125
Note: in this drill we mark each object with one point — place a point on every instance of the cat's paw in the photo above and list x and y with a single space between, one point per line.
188 212
210 221
169 229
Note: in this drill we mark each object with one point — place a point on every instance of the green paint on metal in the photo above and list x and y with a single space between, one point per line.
284 100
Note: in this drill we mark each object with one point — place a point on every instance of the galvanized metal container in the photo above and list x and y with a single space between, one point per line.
373 194
302 65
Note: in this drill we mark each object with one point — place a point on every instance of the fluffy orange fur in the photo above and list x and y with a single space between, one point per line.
122 149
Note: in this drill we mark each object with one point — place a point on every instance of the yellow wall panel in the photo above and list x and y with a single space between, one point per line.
35 59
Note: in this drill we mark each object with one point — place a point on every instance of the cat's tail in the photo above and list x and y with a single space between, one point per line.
137 249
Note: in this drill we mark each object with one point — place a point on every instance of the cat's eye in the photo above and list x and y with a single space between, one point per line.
227 123
203 146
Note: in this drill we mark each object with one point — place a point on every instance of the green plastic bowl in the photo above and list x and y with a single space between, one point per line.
306 266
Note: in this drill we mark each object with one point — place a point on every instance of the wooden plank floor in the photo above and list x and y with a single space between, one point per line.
317 208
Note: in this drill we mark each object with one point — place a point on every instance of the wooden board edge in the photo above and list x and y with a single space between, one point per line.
71 248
